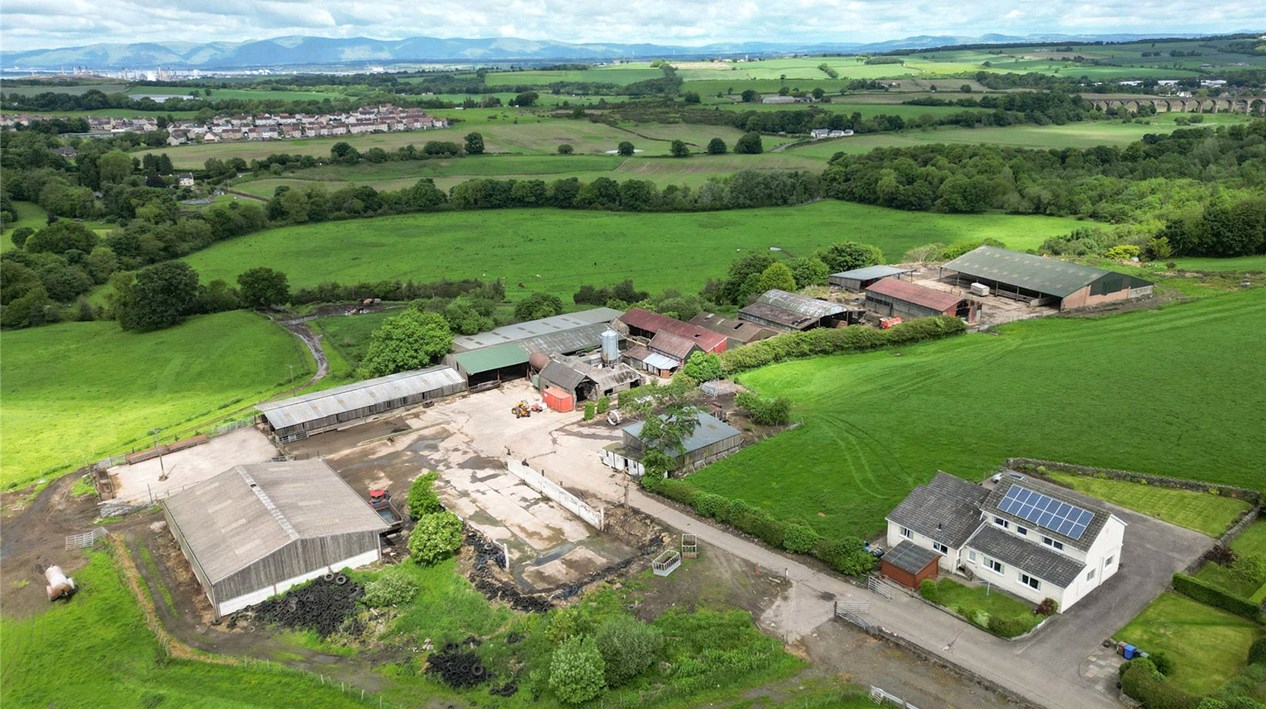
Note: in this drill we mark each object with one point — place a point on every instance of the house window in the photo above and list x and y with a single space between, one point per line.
996 565
1030 582
1022 531
939 547
1108 561
1001 522
1053 543
971 555
1090 575
907 533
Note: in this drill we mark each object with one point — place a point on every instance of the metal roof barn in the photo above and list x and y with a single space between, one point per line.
737 332
1037 278
303 416
254 531
891 296
801 304
858 279
644 323
546 331
782 310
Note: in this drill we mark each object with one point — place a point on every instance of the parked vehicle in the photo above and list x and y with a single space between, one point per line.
380 501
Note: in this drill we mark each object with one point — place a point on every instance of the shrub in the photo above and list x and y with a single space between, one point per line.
436 536
1139 681
1220 555
576 671
393 588
628 647
1008 627
1048 607
710 505
930 591
591 410
1250 568
1164 664
703 366
774 411
422 499
1257 651
1211 596
604 404
769 530
799 539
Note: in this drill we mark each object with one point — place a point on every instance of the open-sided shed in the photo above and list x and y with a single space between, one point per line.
889 296
859 279
1042 281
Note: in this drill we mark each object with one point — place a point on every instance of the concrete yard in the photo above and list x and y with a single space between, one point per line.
140 484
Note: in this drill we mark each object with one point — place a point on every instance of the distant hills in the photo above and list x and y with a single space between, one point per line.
297 51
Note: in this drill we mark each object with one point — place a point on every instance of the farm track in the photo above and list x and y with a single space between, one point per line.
300 329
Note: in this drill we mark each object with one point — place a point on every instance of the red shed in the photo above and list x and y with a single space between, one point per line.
909 564
559 400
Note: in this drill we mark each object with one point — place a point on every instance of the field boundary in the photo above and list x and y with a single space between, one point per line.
1240 493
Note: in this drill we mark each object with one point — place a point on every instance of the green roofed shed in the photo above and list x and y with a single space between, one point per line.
1043 280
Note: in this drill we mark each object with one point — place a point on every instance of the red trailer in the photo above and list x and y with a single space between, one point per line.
559 400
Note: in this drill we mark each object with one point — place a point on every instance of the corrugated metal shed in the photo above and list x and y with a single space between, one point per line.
801 304
1048 276
773 315
248 512
870 273
638 353
708 431
577 339
488 359
930 298
674 346
655 323
367 396
659 361
565 375
738 332
910 558
535 329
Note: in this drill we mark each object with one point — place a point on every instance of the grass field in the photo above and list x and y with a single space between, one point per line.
76 392
570 248
1175 391
30 215
1208 646
1205 513
1243 263
105 655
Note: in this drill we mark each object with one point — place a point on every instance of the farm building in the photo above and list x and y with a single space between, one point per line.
859 279
491 364
788 312
254 531
560 334
310 414
909 565
1027 537
1042 281
585 381
711 440
737 332
892 297
646 325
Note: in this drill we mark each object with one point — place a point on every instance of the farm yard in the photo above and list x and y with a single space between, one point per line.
876 425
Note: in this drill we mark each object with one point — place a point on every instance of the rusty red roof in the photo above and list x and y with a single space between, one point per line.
707 340
917 294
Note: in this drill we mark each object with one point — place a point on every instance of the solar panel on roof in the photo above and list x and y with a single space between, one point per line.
1045 511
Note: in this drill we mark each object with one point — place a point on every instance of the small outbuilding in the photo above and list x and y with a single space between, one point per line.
859 279
254 531
909 565
711 440
892 297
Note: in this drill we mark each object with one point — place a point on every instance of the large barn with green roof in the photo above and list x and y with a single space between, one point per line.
1042 280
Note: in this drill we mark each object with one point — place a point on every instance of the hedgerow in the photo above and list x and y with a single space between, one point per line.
828 341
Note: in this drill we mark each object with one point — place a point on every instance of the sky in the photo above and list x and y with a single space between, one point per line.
40 24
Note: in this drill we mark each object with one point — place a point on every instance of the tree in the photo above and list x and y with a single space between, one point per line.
344 153
474 144
703 366
628 647
749 96
263 287
114 167
679 149
527 98
537 306
62 236
422 499
160 296
566 149
776 277
435 537
750 264
848 255
666 432
20 235
716 146
625 148
749 144
411 340
466 317
809 271
576 671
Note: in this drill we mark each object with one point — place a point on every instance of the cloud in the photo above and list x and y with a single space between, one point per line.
38 24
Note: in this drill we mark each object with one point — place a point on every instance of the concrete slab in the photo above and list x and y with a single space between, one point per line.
140 483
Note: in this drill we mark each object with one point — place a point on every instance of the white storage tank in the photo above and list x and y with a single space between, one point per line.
610 347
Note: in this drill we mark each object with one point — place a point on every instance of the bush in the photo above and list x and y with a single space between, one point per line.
1198 590
823 341
604 404
393 588
930 591
591 410
576 671
766 411
628 647
710 505
422 499
1008 627
1141 682
1164 664
435 537
1220 555
1257 652
799 539
1047 608
703 366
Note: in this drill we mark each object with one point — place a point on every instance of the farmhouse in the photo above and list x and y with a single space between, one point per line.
859 279
889 296
1042 281
254 531
788 312
310 414
711 440
1024 536
737 332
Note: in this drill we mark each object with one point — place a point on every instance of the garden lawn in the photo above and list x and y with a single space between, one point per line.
1207 645
105 656
558 250
979 603
1201 511
1251 541
1175 392
74 393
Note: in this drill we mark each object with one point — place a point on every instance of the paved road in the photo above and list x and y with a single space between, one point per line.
1043 669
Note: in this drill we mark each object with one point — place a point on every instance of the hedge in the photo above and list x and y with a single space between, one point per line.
1141 683
1257 651
1198 590
827 341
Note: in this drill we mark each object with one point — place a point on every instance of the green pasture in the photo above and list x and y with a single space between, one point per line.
70 89
1208 646
247 94
567 248
106 655
1204 512
867 109
1172 391
76 392
1243 263
30 215
608 74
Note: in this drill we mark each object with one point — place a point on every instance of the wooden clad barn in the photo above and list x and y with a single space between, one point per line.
859 279
711 440
909 565
1042 281
889 297
254 531
310 414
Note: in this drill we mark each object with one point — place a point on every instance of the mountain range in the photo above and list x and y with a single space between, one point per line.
296 51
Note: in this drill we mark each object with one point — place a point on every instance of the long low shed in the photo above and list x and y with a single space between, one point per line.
889 296
310 414
1040 280
859 279
254 531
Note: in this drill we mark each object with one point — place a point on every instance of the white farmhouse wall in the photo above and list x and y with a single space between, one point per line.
947 562
1009 580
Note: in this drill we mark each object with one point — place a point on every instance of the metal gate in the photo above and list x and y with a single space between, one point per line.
879 586
87 539
852 612
880 696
